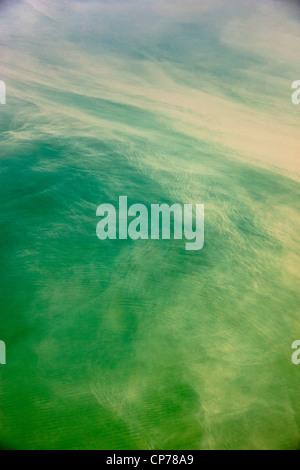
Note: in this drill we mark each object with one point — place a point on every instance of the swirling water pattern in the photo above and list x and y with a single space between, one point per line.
142 345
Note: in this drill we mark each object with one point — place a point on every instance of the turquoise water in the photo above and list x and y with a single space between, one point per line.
143 345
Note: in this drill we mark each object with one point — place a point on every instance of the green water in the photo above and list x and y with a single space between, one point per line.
140 345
